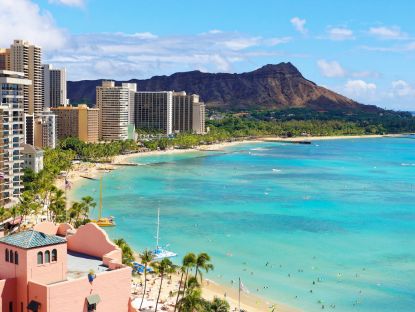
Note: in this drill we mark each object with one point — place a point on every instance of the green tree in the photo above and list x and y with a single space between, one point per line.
87 203
192 299
203 263
29 178
146 257
188 262
4 214
27 205
219 305
127 252
57 205
75 213
162 268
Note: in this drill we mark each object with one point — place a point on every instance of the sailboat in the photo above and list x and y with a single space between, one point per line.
160 253
102 221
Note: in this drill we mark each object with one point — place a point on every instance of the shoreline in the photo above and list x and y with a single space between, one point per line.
90 170
210 289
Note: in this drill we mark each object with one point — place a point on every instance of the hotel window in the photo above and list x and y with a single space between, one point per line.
11 256
54 255
7 255
16 258
47 256
39 257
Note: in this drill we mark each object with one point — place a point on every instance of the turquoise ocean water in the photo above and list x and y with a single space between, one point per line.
339 213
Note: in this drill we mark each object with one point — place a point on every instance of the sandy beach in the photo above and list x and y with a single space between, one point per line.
210 290
249 302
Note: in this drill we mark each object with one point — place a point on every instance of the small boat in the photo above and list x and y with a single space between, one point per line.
160 253
103 221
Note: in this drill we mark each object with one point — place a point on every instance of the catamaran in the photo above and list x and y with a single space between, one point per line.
102 221
161 253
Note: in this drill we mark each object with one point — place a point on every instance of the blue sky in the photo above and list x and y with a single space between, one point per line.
362 49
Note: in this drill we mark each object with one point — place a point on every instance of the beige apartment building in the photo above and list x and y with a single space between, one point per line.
26 58
188 113
78 122
113 103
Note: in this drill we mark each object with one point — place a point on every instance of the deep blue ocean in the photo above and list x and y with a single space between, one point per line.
335 217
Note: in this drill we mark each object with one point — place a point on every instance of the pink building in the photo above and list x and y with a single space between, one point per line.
46 270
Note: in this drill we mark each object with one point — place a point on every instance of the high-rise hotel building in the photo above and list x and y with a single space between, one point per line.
78 122
26 58
45 129
188 113
154 111
12 89
132 87
54 86
4 59
113 104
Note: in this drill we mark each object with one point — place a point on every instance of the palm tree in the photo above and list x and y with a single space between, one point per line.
127 252
146 257
189 261
191 301
27 205
75 212
192 298
219 305
4 214
88 203
203 262
163 267
57 205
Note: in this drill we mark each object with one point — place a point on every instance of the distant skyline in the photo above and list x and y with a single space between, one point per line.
362 49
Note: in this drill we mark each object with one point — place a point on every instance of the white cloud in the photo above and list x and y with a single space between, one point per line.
396 48
74 3
299 24
331 69
277 41
22 19
383 32
340 33
366 74
143 35
401 88
360 88
142 55
215 31
237 44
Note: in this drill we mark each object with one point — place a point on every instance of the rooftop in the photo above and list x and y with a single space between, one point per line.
79 265
31 239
